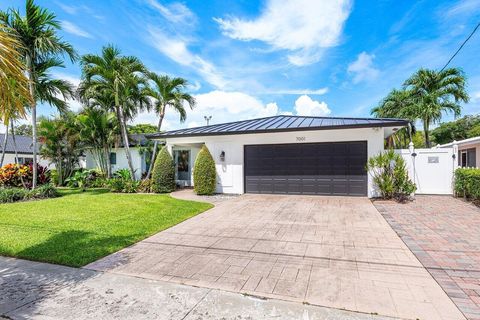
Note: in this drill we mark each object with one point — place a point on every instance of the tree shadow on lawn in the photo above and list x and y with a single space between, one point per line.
23 282
76 248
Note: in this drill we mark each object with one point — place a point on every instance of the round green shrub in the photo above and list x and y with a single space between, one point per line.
163 174
204 174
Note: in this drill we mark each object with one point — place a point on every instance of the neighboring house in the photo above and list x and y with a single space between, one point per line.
24 150
285 154
118 157
468 154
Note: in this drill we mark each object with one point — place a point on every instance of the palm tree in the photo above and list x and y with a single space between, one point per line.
397 105
168 92
435 92
119 80
98 130
39 45
14 93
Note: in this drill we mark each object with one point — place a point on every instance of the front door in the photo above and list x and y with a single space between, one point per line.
182 165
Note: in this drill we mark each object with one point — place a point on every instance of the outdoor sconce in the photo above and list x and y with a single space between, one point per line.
222 156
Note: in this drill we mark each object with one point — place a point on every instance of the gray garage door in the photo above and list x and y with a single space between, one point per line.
336 168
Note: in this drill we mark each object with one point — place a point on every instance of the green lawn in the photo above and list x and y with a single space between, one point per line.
81 227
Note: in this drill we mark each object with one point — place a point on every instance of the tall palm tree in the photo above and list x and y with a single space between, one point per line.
121 80
168 92
434 93
39 44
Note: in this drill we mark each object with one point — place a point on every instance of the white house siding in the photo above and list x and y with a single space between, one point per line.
122 163
10 158
230 177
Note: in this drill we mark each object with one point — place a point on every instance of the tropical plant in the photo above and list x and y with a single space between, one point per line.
434 93
397 105
14 92
79 179
98 131
21 194
124 174
163 174
41 49
145 186
204 173
390 176
168 92
117 83
61 144
21 175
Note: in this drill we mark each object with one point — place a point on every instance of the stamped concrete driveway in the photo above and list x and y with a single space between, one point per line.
329 251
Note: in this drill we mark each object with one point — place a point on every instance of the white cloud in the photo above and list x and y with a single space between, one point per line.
75 30
74 105
320 91
363 69
475 97
462 7
223 106
176 49
306 106
175 12
303 27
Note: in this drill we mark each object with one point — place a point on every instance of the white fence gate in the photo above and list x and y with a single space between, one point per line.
432 170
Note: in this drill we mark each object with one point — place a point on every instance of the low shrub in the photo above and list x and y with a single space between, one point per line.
390 176
122 185
467 183
145 186
204 173
163 173
19 175
14 194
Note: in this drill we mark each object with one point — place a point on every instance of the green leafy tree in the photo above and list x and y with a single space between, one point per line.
204 173
459 129
168 93
163 174
98 131
117 83
434 93
40 49
24 130
142 128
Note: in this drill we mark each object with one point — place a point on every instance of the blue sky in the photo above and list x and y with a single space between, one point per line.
248 59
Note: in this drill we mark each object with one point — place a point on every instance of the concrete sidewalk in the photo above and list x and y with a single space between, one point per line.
32 290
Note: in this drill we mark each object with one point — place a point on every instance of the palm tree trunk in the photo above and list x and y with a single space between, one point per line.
155 145
106 152
426 124
4 145
34 118
123 128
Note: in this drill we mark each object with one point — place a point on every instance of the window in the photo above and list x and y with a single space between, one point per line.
113 158
26 161
467 158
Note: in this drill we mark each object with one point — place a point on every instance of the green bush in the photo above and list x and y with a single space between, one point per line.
204 173
145 186
467 183
20 194
163 174
390 176
122 185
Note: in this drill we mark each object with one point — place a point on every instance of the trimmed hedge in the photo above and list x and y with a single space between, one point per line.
20 194
467 183
163 173
204 174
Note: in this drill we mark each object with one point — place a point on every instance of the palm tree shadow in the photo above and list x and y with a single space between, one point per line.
28 283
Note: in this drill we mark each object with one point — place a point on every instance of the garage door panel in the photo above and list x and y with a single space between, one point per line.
320 168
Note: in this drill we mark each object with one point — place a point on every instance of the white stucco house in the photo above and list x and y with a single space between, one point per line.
24 151
468 154
285 154
118 157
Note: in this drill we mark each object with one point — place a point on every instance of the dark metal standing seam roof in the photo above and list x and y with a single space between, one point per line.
282 123
24 144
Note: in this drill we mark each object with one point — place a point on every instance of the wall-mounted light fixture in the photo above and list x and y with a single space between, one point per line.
222 156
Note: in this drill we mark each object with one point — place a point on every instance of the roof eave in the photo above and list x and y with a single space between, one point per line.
401 123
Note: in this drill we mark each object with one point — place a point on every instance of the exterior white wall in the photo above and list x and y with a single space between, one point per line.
432 170
122 163
230 175
10 158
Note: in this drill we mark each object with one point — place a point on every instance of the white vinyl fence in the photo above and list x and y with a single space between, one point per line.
432 170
